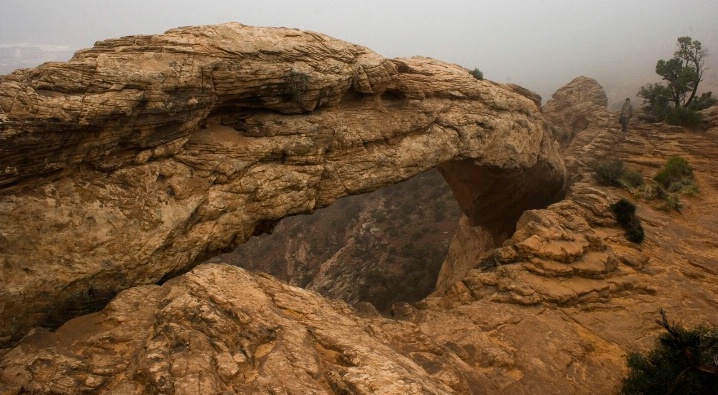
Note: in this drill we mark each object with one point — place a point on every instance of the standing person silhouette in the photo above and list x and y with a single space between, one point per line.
626 114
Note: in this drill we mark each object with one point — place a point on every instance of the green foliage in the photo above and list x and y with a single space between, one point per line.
682 116
703 101
632 179
608 172
681 74
672 201
672 181
682 362
656 100
295 85
625 212
478 74
614 173
676 170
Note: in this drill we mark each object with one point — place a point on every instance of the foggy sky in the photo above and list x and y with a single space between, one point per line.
539 44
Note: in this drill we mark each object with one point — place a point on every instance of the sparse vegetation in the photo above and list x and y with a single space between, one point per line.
632 179
295 85
683 116
478 74
703 101
676 100
399 235
614 173
673 180
682 362
682 75
383 288
674 174
608 172
625 212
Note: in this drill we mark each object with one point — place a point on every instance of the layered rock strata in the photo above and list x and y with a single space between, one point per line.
144 155
553 310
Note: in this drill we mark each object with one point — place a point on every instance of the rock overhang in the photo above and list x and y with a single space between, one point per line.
145 154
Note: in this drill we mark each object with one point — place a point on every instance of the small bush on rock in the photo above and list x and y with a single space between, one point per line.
632 179
676 170
608 172
614 173
682 362
478 74
295 85
625 212
674 179
682 116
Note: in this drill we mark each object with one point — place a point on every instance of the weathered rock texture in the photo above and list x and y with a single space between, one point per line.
144 155
220 329
575 107
557 307
553 310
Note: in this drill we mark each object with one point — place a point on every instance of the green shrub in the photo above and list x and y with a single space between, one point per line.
477 74
682 116
676 170
295 85
608 172
682 362
625 212
614 173
647 191
631 179
672 201
703 101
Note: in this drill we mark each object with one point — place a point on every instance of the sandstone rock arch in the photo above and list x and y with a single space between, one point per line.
146 154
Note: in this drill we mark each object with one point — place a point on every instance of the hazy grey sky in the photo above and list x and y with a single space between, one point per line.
539 44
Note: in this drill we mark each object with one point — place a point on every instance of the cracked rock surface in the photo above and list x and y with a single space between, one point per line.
145 155
554 308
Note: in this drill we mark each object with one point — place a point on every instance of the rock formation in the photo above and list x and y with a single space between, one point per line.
130 192
554 310
145 155
219 329
571 109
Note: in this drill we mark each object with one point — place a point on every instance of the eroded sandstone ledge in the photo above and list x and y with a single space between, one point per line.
553 310
144 155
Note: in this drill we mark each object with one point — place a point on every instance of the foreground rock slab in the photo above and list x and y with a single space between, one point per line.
218 329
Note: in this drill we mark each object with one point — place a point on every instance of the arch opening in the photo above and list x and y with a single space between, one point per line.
380 247
398 243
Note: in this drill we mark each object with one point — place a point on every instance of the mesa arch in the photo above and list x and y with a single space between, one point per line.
145 155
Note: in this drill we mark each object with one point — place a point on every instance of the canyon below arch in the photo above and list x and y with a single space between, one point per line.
124 169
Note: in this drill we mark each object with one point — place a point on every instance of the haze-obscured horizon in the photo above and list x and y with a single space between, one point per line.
538 44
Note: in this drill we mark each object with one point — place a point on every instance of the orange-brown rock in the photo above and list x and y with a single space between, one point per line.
571 109
220 329
145 155
562 302
553 310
